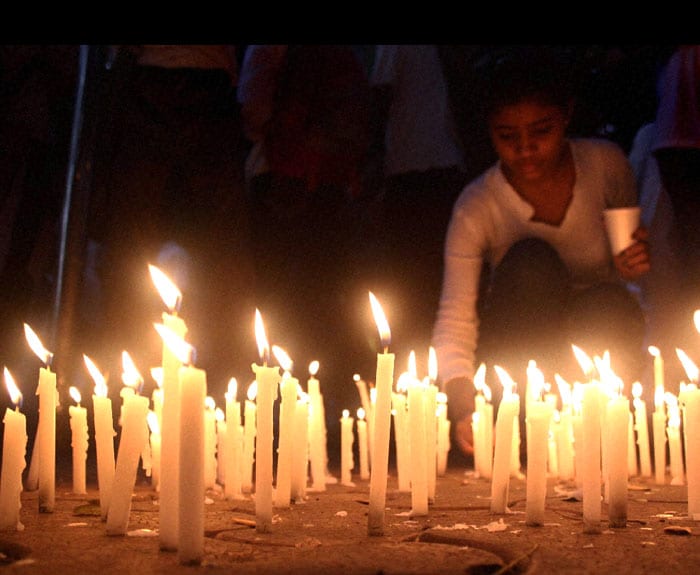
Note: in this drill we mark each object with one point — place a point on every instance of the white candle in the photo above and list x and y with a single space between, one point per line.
658 366
419 453
381 424
589 461
401 434
209 441
508 411
79 441
317 438
267 381
104 436
193 393
691 400
641 426
443 435
249 425
673 433
537 417
617 428
300 461
133 438
430 397
221 455
658 419
170 424
155 440
347 439
363 391
288 403
362 443
14 452
47 440
234 468
157 394
632 466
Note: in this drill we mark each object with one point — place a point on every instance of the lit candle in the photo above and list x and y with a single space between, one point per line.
155 439
288 403
381 424
658 366
347 438
401 434
673 432
641 426
233 475
485 410
632 467
134 435
14 452
221 455
157 394
443 434
565 437
317 437
538 414
104 436
170 422
419 453
249 426
79 441
659 432
589 461
431 422
577 427
364 393
209 441
617 430
300 463
268 379
508 410
362 443
691 400
45 443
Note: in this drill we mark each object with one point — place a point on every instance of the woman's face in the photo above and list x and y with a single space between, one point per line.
530 139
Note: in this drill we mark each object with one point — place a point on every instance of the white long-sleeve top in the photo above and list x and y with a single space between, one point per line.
489 217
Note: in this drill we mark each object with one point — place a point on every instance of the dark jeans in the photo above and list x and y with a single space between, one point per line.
531 311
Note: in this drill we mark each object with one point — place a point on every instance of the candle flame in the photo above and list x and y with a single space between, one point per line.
412 368
659 397
261 338
209 403
535 379
480 378
283 358
696 319
232 389
157 375
219 414
691 369
152 419
360 413
637 390
380 320
169 292
564 390
75 394
346 413
403 382
12 389
313 368
655 351
130 374
509 386
252 392
98 378
584 361
432 364
183 351
36 346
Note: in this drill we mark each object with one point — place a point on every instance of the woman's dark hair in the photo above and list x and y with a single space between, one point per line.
513 74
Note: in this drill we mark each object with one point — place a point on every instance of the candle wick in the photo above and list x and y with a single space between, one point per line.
49 359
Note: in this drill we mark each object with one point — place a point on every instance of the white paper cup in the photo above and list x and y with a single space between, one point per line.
620 224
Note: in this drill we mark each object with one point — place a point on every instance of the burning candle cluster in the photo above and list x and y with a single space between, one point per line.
589 434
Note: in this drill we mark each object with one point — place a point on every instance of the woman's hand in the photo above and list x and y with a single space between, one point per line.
634 261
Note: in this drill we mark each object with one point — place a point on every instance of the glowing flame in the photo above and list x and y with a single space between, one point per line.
691 369
564 390
313 369
380 320
209 403
480 378
219 415
360 414
696 319
441 397
637 390
252 392
232 391
12 389
346 413
412 368
584 361
97 377
157 375
403 382
261 338
169 292
654 351
283 358
432 364
659 397
152 419
183 351
130 375
37 347
75 394
509 385
535 379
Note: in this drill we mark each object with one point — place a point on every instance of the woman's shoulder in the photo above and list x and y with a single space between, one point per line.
597 150
480 189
